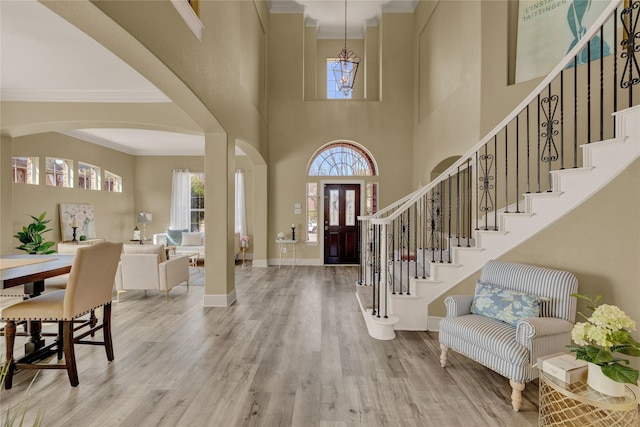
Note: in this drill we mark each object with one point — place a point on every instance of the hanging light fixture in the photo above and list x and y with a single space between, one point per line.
346 66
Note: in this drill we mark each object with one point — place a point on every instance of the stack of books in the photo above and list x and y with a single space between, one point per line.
564 367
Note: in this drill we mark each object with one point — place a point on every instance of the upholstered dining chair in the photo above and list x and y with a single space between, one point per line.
90 286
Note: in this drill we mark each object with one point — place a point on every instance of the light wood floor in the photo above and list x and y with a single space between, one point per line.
292 351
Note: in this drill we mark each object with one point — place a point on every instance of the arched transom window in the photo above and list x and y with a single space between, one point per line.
342 159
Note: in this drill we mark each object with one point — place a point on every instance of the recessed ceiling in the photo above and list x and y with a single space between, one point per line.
44 58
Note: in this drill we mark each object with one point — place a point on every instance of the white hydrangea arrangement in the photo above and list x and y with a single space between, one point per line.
607 331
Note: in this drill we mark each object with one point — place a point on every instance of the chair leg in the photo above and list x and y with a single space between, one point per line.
69 352
106 330
9 337
516 394
60 339
443 355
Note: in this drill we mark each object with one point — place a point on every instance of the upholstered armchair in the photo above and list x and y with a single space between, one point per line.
519 313
144 267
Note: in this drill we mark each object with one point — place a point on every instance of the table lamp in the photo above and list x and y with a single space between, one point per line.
144 218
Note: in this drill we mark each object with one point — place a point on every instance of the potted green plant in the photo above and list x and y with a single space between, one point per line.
606 332
31 237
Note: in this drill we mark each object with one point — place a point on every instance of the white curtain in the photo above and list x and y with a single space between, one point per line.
180 200
241 215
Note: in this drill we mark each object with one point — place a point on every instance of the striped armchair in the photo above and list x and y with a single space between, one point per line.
512 349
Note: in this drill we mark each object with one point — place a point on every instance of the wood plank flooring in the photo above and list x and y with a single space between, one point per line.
292 351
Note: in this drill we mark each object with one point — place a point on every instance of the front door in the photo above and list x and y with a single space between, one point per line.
341 210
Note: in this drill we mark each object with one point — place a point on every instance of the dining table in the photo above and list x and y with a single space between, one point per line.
31 271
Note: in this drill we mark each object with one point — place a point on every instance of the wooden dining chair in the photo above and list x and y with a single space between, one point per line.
90 286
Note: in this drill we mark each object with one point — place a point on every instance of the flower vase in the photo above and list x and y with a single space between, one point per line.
602 383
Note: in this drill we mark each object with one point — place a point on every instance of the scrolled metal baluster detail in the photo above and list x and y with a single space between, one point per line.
435 220
630 46
549 150
486 185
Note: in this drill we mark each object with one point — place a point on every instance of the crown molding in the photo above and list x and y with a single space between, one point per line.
399 6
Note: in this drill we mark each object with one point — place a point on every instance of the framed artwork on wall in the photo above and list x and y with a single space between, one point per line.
78 215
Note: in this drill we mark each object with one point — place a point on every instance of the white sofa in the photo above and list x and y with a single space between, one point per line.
144 267
185 242
189 237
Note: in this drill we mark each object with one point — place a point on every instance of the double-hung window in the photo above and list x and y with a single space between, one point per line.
332 84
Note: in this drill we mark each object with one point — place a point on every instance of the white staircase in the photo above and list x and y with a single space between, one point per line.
602 161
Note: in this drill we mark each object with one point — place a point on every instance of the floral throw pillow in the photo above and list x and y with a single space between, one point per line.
503 304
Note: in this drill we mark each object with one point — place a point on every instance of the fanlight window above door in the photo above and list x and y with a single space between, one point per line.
342 159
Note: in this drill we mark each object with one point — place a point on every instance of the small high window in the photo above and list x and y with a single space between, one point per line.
332 85
88 176
112 182
25 170
59 172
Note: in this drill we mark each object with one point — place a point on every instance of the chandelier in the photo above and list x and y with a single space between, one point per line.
346 66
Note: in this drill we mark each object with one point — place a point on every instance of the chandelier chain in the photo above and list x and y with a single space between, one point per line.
345 24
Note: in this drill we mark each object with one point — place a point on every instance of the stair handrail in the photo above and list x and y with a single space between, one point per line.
407 201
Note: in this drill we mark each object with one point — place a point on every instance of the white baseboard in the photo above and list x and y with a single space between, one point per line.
433 323
219 300
260 263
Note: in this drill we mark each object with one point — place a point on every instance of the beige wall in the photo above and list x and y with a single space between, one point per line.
226 69
299 128
447 108
153 190
114 211
6 197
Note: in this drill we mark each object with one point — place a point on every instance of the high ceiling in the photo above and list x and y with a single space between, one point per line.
44 58
329 15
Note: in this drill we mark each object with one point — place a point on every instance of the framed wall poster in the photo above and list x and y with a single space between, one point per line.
549 29
84 220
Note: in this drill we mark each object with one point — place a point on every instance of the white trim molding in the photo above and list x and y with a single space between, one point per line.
190 17
213 300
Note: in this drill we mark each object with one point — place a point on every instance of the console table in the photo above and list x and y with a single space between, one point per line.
69 247
282 246
579 405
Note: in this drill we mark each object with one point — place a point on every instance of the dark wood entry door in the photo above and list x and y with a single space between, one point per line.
341 210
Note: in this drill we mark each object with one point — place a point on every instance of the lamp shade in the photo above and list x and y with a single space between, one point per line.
144 217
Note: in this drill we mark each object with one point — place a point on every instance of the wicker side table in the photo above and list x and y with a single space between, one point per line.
579 405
